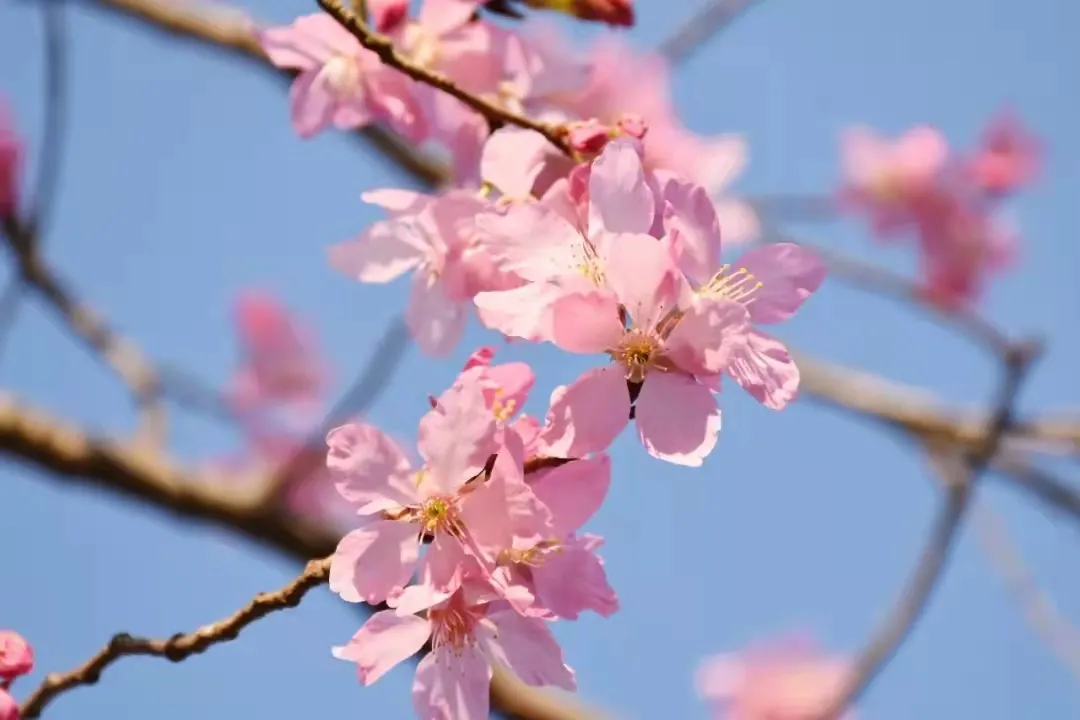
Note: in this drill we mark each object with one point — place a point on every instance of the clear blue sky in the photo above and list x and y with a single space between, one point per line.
184 183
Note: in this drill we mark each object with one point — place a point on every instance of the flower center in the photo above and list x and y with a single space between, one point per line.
532 557
740 286
503 410
343 75
453 626
638 352
439 515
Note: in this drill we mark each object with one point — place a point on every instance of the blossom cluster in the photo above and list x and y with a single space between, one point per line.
950 203
16 659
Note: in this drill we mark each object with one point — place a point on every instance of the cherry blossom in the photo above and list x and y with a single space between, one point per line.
434 236
1007 159
780 681
9 709
458 498
469 632
340 82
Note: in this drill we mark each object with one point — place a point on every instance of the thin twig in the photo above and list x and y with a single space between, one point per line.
1057 632
56 106
703 25
960 471
179 646
382 46
1054 493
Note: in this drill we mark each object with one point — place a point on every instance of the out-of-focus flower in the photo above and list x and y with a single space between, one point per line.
10 161
340 82
387 15
1008 157
16 656
781 681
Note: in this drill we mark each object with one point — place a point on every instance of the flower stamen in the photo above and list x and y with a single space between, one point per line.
739 286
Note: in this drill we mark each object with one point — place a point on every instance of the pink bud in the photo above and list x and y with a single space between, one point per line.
10 156
9 709
481 357
588 136
633 125
1008 158
16 656
387 15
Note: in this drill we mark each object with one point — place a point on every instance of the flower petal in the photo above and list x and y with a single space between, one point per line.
452 684
788 274
619 199
677 418
586 322
385 640
764 368
435 321
573 492
527 647
587 415
372 563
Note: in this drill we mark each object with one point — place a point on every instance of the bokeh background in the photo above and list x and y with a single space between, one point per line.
183 183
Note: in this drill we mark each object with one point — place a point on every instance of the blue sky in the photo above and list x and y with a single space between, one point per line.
183 183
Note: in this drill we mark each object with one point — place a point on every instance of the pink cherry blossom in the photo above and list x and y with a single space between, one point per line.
506 389
435 236
888 179
1008 157
781 681
672 337
387 15
627 81
340 82
772 282
458 498
469 633
279 363
562 573
9 709
10 160
16 656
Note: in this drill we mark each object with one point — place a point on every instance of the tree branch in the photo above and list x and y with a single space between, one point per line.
180 646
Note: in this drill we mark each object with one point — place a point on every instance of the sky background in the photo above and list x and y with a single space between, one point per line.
183 184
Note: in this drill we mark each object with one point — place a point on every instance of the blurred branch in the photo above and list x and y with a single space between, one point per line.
382 46
1056 631
182 645
231 32
1055 493
703 25
959 470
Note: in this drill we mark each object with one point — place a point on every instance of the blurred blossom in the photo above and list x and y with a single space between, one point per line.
787 680
913 186
9 709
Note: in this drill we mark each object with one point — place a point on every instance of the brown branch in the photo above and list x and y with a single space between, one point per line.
230 34
960 470
180 646
382 46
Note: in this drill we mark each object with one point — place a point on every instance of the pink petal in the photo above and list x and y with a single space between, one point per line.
527 647
442 16
385 640
708 335
619 199
677 418
456 439
531 241
724 158
739 222
435 321
692 226
788 274
524 312
373 471
764 368
452 684
381 253
572 580
640 271
288 47
586 322
375 561
512 159
396 201
588 415
311 102
573 492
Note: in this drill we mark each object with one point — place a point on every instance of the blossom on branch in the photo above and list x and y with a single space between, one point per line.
340 82
16 656
470 631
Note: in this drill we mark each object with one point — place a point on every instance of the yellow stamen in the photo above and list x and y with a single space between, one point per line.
739 286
